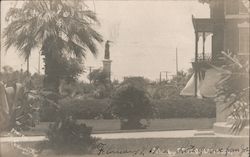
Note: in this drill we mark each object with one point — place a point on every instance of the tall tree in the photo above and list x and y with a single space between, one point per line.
62 28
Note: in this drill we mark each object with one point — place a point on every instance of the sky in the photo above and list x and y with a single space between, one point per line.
145 36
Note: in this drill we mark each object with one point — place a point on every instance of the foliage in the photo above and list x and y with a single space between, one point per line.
170 88
99 77
47 113
131 104
22 104
181 79
100 80
7 69
235 92
138 82
91 108
86 108
37 81
205 1
67 136
10 77
184 107
76 89
163 91
69 69
79 108
23 113
85 88
62 28
22 108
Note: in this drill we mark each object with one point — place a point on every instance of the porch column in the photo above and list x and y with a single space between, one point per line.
203 46
195 64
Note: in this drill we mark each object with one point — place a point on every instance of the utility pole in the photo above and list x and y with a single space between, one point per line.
176 66
176 60
160 77
90 68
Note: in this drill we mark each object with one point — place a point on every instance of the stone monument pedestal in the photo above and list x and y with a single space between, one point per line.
107 67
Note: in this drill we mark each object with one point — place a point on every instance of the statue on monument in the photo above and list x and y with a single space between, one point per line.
107 53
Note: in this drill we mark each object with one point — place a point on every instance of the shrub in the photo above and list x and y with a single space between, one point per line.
67 136
185 107
131 105
48 112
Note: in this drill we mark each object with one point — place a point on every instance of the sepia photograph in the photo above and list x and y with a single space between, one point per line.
124 78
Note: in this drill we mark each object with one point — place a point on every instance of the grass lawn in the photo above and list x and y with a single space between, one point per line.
153 155
146 155
112 148
126 155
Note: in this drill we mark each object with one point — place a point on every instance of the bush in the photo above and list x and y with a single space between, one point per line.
47 113
131 105
66 136
185 107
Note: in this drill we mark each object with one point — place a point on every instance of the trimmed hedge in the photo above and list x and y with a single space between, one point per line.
185 107
175 107
79 108
87 108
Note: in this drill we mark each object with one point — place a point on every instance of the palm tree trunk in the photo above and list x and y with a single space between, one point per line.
51 80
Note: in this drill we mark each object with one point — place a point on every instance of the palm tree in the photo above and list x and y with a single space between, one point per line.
17 34
61 28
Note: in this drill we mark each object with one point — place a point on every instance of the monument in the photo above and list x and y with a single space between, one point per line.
107 62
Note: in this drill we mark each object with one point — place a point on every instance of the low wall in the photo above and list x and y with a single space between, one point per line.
112 126
155 125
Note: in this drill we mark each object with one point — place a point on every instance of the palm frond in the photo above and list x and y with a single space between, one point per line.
235 92
42 22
